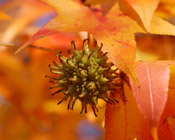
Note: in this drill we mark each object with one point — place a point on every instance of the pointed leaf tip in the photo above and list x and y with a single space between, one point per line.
152 95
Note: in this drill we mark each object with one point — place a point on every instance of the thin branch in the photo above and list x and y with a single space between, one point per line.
32 46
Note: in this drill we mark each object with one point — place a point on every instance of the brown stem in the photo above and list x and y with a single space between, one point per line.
32 46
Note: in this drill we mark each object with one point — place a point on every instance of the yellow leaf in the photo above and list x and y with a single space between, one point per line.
145 9
162 27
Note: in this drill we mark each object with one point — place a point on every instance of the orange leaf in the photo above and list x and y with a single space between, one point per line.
152 94
166 130
145 9
124 121
171 122
115 30
170 106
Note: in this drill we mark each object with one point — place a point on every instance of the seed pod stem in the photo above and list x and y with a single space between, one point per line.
57 92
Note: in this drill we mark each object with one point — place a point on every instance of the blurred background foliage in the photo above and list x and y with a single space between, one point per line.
27 109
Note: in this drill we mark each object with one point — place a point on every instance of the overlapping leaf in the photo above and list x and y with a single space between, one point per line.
152 94
124 121
115 31
145 9
162 27
170 106
155 24
167 123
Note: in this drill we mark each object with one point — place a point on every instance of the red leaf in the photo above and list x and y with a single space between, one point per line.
124 121
166 130
170 106
152 94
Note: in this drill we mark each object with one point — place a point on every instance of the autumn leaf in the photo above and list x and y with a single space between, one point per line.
167 122
145 9
124 120
152 94
170 106
162 27
156 24
120 118
115 30
25 100
164 131
171 122
60 42
70 19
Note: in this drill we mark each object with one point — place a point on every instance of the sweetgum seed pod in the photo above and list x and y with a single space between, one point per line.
86 76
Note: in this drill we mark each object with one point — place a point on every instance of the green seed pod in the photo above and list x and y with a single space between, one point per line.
86 76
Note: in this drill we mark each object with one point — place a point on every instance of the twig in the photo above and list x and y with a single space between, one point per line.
32 46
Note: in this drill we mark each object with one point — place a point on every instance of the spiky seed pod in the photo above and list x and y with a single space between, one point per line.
86 76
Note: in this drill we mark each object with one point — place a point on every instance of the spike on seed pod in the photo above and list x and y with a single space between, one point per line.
86 76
